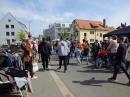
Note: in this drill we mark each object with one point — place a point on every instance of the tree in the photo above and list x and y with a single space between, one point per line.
48 38
21 35
64 35
35 38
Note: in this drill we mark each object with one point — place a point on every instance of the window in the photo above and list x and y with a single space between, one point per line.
9 20
100 34
12 26
7 33
74 28
97 34
84 26
91 32
12 33
13 40
85 34
91 40
63 25
69 25
77 34
7 26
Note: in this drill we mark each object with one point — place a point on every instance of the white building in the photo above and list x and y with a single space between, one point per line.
55 29
45 31
9 27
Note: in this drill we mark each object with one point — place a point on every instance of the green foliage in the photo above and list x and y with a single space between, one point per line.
21 35
35 38
48 38
64 35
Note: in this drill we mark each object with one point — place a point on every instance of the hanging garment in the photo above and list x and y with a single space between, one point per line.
9 62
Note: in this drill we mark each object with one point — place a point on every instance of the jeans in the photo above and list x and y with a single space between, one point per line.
63 58
127 65
78 54
116 69
95 55
50 57
68 58
45 61
112 61
85 57
39 56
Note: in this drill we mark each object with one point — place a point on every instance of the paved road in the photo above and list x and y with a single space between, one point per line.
88 81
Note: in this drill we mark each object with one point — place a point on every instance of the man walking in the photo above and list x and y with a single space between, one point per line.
62 48
72 48
120 60
96 48
69 46
44 50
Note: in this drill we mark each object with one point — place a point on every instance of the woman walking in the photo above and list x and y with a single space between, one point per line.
78 50
85 51
113 47
27 58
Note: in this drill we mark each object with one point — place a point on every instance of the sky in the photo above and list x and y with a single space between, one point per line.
45 12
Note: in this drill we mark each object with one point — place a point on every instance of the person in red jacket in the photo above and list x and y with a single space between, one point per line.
103 54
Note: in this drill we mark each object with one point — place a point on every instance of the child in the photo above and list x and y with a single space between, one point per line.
103 55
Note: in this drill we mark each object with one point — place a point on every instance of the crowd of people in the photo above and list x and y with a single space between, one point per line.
65 49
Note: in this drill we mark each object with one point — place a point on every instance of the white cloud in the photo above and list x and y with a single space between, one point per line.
68 14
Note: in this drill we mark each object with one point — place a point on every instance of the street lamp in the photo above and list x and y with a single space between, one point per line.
29 24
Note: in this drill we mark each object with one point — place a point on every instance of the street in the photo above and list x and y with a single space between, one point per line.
79 81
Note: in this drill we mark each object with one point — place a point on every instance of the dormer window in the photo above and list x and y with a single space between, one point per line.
94 25
9 20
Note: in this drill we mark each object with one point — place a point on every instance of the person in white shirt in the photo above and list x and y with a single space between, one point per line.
127 58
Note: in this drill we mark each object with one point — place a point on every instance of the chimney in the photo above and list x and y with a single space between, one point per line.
125 24
104 23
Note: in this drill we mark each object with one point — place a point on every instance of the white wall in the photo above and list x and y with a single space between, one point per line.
17 28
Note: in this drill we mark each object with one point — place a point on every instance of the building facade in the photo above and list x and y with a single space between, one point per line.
45 31
89 30
55 29
9 28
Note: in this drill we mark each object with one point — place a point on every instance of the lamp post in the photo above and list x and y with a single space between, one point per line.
29 24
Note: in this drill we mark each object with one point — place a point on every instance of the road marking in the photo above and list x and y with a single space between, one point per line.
63 89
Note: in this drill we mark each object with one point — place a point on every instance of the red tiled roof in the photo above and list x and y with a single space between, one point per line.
86 24
110 29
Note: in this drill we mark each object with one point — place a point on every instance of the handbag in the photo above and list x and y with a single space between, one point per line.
35 67
127 57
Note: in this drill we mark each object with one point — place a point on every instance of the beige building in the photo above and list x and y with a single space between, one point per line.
90 30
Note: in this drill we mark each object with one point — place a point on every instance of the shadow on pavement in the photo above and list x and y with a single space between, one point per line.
93 82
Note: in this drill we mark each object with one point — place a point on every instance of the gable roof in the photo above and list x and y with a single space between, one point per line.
23 25
110 29
87 24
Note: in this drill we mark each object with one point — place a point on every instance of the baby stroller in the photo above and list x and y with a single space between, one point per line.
102 61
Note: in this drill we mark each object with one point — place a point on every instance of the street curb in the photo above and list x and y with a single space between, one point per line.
63 89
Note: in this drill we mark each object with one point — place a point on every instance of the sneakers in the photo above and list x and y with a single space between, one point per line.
65 71
47 68
87 63
112 79
44 70
34 77
50 61
59 68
